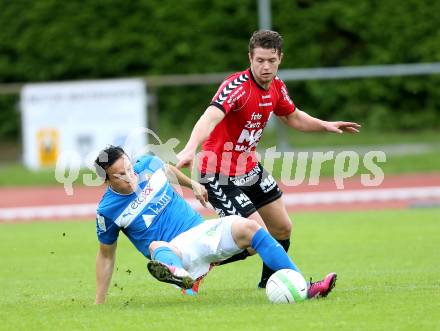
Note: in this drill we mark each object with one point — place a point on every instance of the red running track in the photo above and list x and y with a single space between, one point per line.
400 191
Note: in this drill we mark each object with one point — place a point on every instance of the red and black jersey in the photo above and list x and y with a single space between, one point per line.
230 148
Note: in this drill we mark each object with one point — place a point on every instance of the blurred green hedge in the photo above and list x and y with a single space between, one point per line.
56 40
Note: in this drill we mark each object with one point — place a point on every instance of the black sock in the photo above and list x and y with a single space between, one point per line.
236 257
267 272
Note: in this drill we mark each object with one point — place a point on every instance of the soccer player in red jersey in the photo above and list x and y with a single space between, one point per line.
230 130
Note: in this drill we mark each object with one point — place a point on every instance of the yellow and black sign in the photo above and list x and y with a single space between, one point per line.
48 146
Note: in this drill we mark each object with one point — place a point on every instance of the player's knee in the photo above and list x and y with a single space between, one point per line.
243 231
282 231
250 227
287 229
153 246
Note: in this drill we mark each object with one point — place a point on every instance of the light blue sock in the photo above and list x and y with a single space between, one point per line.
271 252
166 255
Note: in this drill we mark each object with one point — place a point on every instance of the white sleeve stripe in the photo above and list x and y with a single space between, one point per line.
157 181
231 87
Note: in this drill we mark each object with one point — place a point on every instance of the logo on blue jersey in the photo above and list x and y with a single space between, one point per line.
151 198
148 219
141 197
101 223
160 204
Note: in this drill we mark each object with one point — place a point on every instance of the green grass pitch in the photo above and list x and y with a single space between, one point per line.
387 262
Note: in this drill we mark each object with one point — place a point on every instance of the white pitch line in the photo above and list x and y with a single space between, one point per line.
367 195
48 212
290 199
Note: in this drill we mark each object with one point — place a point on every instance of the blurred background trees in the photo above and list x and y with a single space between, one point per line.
52 40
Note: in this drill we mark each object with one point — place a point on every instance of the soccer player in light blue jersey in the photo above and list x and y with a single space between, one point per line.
140 202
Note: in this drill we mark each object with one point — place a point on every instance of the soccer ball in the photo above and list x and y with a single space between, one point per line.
286 286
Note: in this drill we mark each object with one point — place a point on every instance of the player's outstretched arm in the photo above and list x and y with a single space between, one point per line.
105 262
302 121
201 131
176 176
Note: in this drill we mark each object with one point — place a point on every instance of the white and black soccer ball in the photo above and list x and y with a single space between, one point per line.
286 286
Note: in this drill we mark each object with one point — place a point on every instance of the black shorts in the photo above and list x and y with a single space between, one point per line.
241 195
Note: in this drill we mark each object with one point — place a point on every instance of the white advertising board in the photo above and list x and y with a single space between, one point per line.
81 118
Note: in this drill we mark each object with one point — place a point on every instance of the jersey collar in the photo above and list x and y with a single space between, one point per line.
258 85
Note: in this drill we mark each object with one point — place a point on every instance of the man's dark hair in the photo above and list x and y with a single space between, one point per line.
106 158
266 39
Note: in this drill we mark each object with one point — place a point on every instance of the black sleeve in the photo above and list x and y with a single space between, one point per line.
219 106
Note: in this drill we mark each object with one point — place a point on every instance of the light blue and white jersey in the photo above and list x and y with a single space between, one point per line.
154 212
